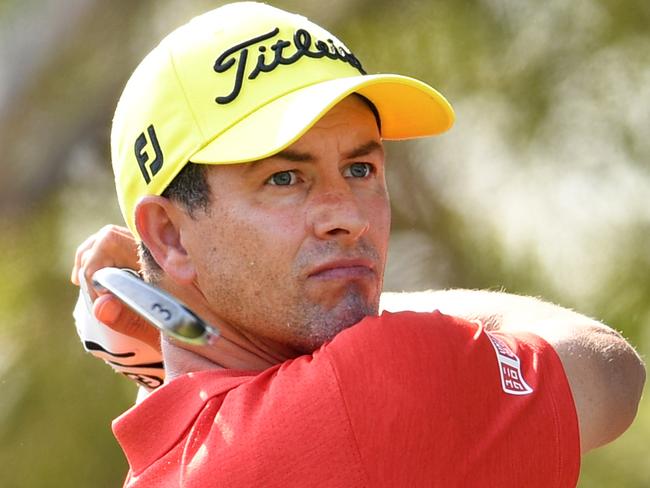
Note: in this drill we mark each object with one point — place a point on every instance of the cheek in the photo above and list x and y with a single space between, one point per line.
271 230
379 215
245 246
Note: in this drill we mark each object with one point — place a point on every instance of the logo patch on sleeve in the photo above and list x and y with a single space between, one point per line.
512 380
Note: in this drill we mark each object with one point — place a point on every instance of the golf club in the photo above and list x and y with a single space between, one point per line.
158 307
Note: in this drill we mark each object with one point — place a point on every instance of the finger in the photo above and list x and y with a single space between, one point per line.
78 257
113 246
114 314
104 242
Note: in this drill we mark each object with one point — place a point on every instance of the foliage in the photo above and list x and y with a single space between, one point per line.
541 188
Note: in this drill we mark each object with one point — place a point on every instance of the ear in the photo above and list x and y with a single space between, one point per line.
159 222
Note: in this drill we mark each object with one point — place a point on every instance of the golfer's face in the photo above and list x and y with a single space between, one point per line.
293 248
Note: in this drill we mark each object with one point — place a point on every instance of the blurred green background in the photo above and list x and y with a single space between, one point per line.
541 187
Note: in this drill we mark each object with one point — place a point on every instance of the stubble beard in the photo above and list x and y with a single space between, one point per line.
317 320
314 324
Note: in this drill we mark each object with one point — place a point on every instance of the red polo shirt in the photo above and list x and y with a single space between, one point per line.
402 400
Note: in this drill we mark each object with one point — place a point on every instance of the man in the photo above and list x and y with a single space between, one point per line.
276 232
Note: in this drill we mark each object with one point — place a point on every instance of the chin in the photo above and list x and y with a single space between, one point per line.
325 324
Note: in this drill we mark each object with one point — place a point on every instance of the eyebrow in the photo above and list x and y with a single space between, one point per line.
365 149
300 157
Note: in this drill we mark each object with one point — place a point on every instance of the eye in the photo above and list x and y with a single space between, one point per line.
358 170
283 178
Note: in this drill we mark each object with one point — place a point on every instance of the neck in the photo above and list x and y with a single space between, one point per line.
234 349
230 351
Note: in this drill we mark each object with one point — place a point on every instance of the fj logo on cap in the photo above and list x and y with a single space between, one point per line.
302 42
142 155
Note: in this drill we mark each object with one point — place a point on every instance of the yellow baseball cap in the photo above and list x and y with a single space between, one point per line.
241 83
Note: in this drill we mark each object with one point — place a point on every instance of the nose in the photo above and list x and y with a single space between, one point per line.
337 215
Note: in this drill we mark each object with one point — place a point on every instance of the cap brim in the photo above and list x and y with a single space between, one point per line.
407 108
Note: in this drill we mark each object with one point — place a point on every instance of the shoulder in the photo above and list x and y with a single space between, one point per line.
427 380
431 356
392 335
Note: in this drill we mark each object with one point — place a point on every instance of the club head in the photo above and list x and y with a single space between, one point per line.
156 306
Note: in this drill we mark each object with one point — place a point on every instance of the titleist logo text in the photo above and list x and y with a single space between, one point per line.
302 41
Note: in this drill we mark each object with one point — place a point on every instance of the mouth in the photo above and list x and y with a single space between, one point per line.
344 269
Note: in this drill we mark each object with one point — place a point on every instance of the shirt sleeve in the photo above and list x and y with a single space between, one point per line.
433 397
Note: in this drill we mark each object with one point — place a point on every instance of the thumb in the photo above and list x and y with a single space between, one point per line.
114 314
